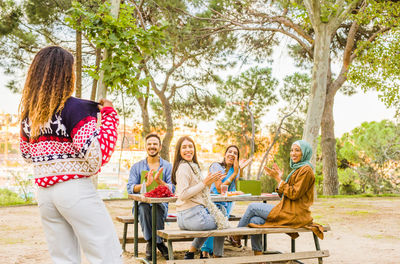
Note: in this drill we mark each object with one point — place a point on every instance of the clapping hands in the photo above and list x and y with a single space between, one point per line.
213 177
244 163
274 172
150 178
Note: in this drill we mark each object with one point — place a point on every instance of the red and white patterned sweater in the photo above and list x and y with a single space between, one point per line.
70 145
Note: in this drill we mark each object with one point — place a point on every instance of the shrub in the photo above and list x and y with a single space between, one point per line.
8 197
348 181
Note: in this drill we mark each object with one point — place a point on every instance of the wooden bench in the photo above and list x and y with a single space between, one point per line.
171 235
128 220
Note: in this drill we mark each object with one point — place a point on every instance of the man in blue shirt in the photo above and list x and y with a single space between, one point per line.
152 163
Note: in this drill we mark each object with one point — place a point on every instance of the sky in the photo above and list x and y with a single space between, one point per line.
349 111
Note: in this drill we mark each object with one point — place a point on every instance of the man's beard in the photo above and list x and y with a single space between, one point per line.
153 155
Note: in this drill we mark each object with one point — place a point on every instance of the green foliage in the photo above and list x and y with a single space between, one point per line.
254 88
296 88
127 42
30 25
348 179
10 14
8 197
372 150
378 62
45 12
268 185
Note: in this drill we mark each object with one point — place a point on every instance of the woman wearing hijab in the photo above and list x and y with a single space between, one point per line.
297 193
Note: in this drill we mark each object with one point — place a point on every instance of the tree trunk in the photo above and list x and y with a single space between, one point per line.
94 84
145 115
78 67
328 146
318 86
102 89
252 140
170 126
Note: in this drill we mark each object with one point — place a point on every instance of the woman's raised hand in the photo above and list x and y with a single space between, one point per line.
274 172
213 177
104 103
244 163
236 165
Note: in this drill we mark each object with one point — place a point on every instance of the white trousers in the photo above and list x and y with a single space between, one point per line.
74 216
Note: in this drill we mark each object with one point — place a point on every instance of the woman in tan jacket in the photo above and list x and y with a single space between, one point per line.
297 193
194 208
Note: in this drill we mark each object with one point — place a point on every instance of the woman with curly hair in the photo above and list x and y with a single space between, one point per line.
61 137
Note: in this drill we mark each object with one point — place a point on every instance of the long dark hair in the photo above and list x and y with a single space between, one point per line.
223 163
49 83
178 157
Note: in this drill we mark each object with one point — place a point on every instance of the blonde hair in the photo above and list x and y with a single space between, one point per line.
49 83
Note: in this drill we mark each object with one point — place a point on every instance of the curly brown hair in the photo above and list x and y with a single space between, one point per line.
50 82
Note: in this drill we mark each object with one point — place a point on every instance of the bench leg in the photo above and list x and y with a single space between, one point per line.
265 242
170 250
265 237
245 240
317 247
124 237
153 232
135 231
293 245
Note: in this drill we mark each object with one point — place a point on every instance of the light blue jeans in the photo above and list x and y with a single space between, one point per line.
198 218
209 243
256 213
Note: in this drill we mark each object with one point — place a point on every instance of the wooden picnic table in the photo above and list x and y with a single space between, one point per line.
153 201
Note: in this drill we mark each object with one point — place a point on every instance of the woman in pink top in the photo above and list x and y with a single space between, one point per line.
61 137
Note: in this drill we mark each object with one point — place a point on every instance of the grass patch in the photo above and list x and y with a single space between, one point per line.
361 213
361 195
10 241
380 236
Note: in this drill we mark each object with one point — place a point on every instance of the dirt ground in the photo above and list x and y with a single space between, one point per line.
364 230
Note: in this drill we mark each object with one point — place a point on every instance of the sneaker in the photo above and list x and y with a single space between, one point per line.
189 255
163 249
148 251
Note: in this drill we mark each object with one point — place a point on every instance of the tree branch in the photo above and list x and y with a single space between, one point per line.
276 137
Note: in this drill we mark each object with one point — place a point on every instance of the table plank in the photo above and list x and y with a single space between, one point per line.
216 198
178 233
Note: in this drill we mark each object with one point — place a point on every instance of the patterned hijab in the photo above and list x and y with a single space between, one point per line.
306 153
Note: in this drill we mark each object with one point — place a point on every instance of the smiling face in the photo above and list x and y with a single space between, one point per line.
187 150
153 146
230 156
295 153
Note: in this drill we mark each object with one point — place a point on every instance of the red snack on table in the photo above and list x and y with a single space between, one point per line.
159 192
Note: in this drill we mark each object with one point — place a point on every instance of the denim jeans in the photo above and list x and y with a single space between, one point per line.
145 214
198 218
209 243
256 213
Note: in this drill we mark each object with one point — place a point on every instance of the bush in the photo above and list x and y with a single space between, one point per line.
268 184
348 182
8 197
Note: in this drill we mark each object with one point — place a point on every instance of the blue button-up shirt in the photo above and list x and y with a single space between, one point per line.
136 172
